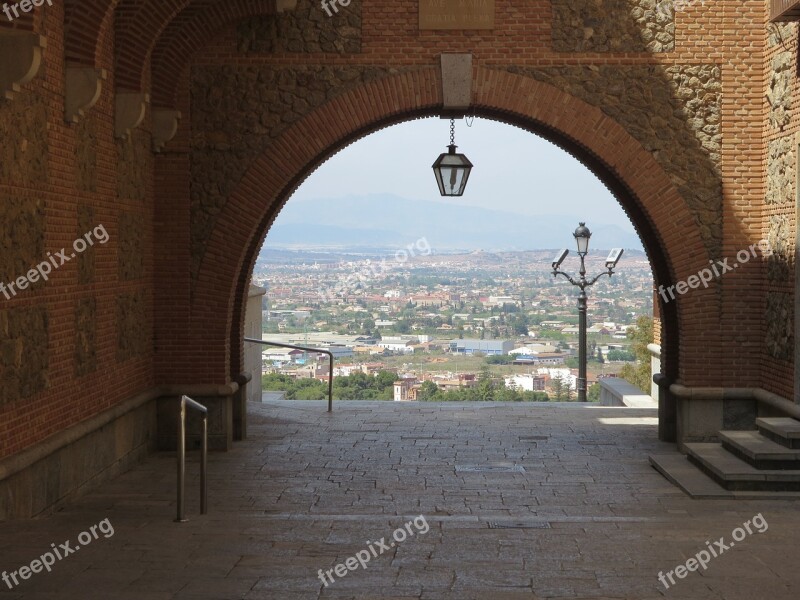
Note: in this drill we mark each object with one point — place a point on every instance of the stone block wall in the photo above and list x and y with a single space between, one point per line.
24 353
305 29
781 129
613 26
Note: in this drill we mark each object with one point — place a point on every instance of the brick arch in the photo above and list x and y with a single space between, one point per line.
187 33
138 26
661 216
83 23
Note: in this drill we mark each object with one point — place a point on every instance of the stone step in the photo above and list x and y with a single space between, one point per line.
687 476
694 482
783 430
733 473
760 451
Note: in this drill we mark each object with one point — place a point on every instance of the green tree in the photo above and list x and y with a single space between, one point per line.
500 359
486 387
561 389
593 393
621 355
600 358
640 335
429 392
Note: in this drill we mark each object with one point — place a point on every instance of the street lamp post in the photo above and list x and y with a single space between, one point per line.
582 235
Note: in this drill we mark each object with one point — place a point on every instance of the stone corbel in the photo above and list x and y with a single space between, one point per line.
130 110
84 85
20 59
165 126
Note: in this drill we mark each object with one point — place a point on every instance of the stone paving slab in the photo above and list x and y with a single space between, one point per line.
585 515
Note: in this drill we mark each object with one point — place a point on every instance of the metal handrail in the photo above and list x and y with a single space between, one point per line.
186 401
304 349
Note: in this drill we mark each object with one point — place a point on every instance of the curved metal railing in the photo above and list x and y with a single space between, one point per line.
304 349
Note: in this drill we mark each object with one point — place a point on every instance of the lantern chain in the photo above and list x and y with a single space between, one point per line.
452 132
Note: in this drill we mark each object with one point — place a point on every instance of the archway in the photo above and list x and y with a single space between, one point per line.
659 213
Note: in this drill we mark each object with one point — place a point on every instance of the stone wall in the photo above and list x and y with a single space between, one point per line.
780 171
134 159
21 238
674 112
24 139
133 335
306 28
86 259
781 259
236 113
780 33
24 345
779 318
780 196
86 153
85 336
779 94
613 26
131 245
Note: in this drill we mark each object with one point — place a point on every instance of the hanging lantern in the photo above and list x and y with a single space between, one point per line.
452 169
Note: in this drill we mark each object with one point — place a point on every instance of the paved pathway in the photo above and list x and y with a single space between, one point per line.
520 501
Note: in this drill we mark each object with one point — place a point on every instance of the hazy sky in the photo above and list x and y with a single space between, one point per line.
514 171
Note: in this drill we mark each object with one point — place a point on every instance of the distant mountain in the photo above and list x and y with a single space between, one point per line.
390 221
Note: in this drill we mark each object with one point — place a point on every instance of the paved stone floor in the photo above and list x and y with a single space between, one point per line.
521 501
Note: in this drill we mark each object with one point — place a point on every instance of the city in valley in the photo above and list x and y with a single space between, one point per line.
414 324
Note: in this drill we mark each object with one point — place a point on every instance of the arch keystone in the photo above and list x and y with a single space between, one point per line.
456 82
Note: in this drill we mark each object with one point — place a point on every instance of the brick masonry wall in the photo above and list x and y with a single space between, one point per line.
695 105
671 103
60 356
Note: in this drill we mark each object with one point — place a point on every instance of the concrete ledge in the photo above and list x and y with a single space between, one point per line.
618 392
63 466
50 475
15 463
703 411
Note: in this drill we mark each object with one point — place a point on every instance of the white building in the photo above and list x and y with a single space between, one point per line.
527 382
398 345
406 389
565 374
534 349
